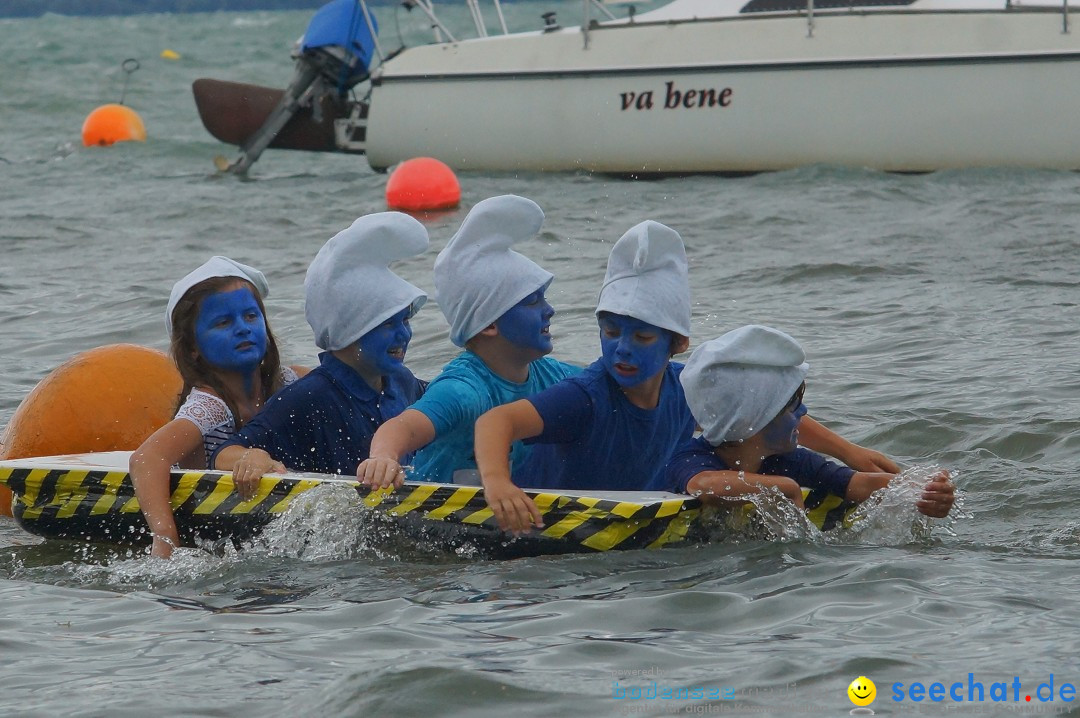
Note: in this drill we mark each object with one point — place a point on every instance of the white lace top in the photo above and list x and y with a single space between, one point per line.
211 414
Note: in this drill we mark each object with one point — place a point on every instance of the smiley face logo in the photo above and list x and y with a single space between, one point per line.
862 691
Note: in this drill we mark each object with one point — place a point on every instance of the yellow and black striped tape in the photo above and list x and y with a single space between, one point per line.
100 505
832 512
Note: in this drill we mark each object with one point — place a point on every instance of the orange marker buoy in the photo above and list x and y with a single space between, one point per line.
422 183
112 123
106 399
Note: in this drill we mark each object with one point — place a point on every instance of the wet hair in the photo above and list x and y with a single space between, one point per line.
194 369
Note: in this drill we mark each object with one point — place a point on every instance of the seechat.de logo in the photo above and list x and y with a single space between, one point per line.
862 693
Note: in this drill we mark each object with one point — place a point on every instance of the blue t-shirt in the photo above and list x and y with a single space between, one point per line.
809 470
464 390
324 422
594 438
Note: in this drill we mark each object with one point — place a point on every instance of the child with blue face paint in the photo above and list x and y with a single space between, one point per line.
228 359
360 313
614 426
746 391
494 300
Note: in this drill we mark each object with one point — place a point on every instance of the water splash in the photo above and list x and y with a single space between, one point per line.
330 523
108 567
765 516
889 516
778 519
324 524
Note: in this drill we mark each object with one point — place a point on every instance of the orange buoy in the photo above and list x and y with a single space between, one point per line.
422 183
106 399
112 123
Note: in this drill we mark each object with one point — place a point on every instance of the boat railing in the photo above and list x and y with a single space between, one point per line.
1064 14
442 34
1008 6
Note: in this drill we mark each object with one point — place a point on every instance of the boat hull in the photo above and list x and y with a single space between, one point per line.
89 497
233 112
895 91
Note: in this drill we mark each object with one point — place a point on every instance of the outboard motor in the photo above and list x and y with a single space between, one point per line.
334 54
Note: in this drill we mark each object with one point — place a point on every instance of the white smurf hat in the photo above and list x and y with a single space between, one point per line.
214 267
737 383
647 278
349 289
478 278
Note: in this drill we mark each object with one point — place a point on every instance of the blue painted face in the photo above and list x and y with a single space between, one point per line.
230 331
782 433
528 323
384 346
634 351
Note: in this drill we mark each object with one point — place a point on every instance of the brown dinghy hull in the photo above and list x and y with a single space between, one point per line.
233 111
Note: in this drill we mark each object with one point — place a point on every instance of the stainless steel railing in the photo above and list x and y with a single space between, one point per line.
1008 6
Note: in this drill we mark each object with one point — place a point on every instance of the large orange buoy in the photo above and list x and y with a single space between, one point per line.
112 123
422 183
106 399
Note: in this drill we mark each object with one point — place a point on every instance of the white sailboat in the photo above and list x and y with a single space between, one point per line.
733 86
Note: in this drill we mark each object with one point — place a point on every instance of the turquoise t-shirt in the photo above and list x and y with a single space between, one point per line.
456 398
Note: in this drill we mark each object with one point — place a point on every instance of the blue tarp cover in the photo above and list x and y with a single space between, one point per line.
341 23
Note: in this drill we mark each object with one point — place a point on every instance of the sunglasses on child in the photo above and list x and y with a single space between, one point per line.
796 399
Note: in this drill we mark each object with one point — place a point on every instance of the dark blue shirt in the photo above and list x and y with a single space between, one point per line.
809 470
324 421
594 438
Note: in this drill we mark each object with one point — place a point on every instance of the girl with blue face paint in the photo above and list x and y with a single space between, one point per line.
230 333
228 359
223 346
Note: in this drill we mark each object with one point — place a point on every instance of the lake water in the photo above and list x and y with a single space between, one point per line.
937 312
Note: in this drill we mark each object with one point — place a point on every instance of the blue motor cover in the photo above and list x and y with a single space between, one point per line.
341 23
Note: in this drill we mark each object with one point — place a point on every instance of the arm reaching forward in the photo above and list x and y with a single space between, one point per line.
718 487
496 430
823 440
399 436
937 498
